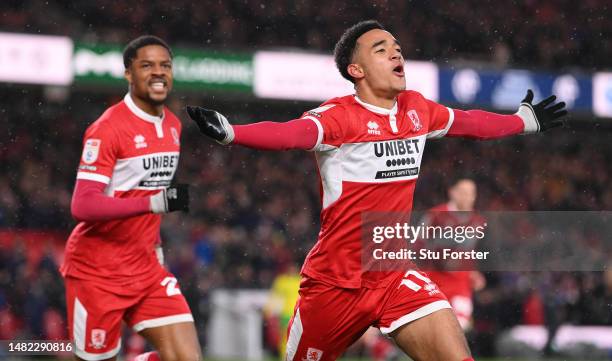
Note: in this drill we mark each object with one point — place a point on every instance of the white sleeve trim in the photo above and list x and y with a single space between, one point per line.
442 132
527 115
320 135
415 315
93 177
163 321
158 203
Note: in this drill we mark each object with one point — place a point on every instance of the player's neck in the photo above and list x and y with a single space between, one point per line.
156 110
386 101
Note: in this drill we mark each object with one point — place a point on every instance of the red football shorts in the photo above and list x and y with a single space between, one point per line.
95 312
328 319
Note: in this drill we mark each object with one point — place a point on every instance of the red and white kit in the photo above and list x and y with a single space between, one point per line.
369 159
111 269
456 285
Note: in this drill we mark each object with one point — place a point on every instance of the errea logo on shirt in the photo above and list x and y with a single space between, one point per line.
139 141
373 128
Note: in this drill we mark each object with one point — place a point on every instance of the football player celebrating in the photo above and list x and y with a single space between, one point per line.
369 147
111 267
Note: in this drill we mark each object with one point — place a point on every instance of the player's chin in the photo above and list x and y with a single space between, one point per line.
158 97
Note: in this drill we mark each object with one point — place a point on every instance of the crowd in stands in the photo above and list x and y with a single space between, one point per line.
543 33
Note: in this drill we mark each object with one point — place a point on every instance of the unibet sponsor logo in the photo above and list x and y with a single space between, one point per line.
397 147
399 153
161 167
160 161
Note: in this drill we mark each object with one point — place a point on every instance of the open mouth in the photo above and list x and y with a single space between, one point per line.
158 85
399 70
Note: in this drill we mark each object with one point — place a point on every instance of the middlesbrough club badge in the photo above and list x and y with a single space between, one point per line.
98 336
313 354
175 136
416 122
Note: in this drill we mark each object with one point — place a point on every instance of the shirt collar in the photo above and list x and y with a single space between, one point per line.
141 113
377 109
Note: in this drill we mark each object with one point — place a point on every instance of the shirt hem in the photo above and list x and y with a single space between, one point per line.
350 284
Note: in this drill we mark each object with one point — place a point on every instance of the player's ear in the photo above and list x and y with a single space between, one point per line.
355 71
128 75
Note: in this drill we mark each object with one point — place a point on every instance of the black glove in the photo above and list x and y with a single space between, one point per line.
541 117
212 124
173 198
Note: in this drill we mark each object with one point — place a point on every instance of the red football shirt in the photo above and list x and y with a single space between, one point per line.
368 159
136 155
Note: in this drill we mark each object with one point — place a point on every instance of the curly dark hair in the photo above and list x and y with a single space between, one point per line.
346 46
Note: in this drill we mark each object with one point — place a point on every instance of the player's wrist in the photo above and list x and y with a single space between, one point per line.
158 202
173 198
541 116
227 130
231 134
527 115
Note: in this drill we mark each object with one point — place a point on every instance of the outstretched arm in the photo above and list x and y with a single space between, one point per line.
478 124
294 134
529 118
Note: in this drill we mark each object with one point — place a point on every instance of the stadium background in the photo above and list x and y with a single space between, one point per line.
254 213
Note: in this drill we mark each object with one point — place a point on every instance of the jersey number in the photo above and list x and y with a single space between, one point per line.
170 284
